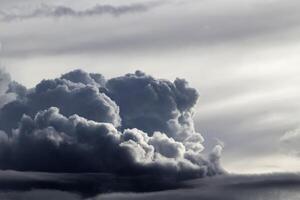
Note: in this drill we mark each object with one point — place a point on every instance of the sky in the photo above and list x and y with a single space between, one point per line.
240 55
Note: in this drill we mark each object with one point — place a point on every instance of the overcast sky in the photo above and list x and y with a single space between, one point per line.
241 55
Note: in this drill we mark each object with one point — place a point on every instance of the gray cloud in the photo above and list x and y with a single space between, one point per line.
129 125
33 185
273 186
290 142
70 97
5 97
64 11
145 101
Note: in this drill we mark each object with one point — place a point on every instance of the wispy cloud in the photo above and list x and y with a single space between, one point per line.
46 10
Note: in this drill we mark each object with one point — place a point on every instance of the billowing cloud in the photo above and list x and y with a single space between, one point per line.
155 105
62 11
129 125
70 97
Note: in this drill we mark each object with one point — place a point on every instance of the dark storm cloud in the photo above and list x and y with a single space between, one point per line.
70 97
62 11
51 142
145 101
129 125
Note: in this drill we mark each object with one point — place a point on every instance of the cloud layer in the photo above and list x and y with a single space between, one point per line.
255 187
129 125
49 186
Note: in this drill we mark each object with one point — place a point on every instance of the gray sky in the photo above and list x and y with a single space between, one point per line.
241 55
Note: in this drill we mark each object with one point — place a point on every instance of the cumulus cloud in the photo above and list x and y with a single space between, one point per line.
155 105
81 122
70 97
61 11
42 185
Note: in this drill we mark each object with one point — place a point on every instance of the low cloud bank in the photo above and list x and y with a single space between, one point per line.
94 186
231 187
130 125
83 185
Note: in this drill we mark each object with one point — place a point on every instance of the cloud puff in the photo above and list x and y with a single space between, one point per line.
129 125
156 105
62 11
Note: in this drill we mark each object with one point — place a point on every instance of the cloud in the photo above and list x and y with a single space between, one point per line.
154 105
63 11
272 186
290 142
5 82
79 185
195 27
70 97
93 186
130 125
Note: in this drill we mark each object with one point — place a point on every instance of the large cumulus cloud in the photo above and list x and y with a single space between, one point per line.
129 125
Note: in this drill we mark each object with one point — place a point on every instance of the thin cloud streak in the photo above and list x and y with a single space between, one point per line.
46 11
